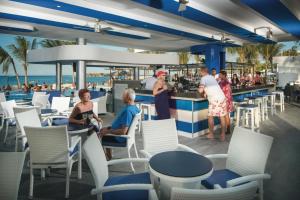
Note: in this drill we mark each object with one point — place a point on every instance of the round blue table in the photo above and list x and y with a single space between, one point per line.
178 169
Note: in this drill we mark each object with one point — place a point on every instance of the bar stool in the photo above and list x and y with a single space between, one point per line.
257 100
147 106
245 110
271 102
236 103
281 100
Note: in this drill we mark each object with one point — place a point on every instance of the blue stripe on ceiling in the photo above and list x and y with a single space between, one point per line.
9 28
111 17
201 17
59 24
277 13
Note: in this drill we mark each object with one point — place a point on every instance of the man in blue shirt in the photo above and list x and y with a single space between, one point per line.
122 122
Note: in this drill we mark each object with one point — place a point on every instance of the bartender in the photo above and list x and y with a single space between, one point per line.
257 79
149 82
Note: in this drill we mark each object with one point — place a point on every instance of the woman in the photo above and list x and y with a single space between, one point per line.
235 80
83 111
226 88
161 96
257 79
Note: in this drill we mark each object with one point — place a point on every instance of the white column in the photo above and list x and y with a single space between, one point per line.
80 68
58 76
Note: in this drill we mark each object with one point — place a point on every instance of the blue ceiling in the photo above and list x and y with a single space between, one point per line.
277 13
204 18
111 17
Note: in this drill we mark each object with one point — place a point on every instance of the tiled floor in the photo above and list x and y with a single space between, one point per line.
283 163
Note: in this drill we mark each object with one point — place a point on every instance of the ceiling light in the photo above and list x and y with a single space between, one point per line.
58 6
268 33
182 5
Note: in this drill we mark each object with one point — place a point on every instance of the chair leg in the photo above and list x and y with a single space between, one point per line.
261 191
79 162
131 165
16 145
68 172
135 150
31 183
6 132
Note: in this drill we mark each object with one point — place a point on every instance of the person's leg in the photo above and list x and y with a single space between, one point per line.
227 122
210 134
223 127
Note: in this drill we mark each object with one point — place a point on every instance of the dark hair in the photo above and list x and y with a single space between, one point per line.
213 69
258 73
82 92
224 73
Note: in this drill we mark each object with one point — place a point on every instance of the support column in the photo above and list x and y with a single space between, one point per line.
81 69
214 55
136 73
58 76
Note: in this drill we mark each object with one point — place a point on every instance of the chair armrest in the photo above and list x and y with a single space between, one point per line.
74 143
186 148
217 186
243 179
127 160
216 156
146 154
123 136
121 187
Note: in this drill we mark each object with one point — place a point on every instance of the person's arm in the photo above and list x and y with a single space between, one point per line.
75 112
158 85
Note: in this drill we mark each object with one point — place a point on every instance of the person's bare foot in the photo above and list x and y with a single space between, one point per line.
222 137
210 136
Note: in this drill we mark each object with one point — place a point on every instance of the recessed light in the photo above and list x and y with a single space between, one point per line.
58 6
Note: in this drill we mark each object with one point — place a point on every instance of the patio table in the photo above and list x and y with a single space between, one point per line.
178 169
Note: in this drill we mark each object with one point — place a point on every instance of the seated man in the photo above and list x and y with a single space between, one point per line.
122 122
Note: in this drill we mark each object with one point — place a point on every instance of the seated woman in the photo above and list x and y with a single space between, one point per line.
83 111
122 122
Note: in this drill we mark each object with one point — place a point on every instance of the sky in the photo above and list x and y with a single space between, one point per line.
38 69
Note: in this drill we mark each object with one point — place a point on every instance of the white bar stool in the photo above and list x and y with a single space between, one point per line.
245 110
258 100
146 106
271 102
281 100
236 103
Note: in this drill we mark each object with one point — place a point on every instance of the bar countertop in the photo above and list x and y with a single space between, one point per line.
195 96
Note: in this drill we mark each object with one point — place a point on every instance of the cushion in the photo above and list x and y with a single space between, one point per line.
219 177
114 141
75 150
60 121
143 178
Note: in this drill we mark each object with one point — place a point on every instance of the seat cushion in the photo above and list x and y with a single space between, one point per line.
60 121
219 177
114 141
143 178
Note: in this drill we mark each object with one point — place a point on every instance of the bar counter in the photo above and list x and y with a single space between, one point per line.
190 110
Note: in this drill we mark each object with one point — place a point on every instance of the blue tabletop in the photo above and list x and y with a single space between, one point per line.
180 164
48 111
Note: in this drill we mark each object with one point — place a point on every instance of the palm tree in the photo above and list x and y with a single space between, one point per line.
6 60
54 43
268 51
183 57
19 51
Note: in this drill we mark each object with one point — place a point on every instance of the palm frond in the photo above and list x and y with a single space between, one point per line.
54 43
5 64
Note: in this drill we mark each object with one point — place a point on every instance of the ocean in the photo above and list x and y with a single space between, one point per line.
11 80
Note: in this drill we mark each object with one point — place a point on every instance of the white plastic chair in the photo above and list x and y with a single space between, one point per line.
61 104
8 115
35 95
41 100
95 157
130 139
11 168
242 192
247 157
101 104
26 119
49 147
160 136
2 97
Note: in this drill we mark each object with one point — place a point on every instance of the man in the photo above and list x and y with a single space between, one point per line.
149 82
216 99
122 122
